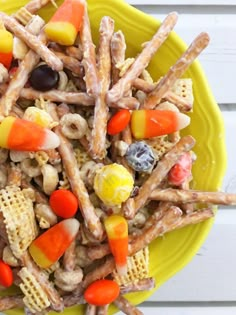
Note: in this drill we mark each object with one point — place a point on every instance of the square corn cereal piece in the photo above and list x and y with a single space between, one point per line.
184 88
34 296
19 219
138 268
160 145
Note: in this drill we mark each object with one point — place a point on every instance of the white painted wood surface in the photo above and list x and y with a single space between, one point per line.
218 19
206 285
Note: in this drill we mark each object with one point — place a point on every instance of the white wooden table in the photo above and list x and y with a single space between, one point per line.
207 284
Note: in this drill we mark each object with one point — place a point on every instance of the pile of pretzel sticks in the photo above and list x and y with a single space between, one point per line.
94 84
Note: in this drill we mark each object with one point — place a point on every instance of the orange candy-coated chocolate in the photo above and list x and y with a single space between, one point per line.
51 245
6 274
118 122
101 292
64 203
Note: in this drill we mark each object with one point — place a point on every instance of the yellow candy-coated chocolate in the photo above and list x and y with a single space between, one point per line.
113 184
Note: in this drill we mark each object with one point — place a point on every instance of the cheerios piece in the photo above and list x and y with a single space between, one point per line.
9 258
45 216
30 167
74 126
50 178
88 172
18 156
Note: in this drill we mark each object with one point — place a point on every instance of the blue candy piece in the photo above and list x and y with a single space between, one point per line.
140 156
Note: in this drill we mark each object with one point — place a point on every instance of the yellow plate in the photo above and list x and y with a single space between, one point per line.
171 253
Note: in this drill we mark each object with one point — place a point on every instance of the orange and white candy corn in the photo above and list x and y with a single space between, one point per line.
148 123
23 135
117 232
51 245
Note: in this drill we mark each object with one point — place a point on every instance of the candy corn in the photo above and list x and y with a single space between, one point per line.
113 184
152 123
101 292
51 245
65 23
117 232
6 47
23 135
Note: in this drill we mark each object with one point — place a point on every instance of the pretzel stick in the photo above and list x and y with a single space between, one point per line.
75 98
127 102
176 71
99 130
89 55
180 102
34 5
19 79
74 52
70 63
9 302
90 309
141 285
151 232
70 164
58 96
32 41
143 85
41 277
102 310
159 173
171 220
71 300
142 60
118 48
185 196
43 312
160 223
124 305
69 257
99 251
170 96
100 272
14 175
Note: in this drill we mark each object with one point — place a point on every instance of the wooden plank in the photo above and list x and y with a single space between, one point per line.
229 183
182 2
186 309
210 276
